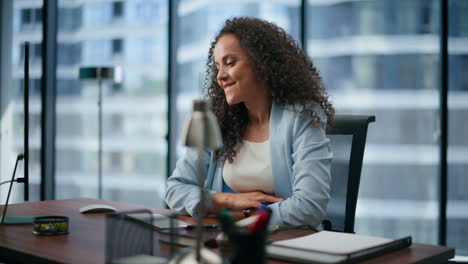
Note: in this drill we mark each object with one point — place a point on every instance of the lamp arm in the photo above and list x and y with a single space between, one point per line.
199 231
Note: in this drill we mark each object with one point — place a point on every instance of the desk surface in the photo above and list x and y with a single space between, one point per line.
85 242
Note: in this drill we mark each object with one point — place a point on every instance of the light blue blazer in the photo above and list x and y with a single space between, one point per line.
300 159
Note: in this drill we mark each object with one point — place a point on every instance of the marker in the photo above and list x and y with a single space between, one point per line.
262 221
227 223
212 226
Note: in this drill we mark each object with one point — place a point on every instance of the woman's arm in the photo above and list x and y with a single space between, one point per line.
310 176
241 201
183 194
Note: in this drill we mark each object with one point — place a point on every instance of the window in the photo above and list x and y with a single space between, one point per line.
115 162
31 16
36 51
376 57
14 35
134 111
117 46
398 81
69 53
117 9
399 87
457 207
38 15
25 16
426 16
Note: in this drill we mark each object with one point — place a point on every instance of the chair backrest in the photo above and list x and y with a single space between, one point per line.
348 139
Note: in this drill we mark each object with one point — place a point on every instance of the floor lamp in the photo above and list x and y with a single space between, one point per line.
100 74
202 133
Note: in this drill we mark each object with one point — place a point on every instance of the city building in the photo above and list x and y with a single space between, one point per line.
377 57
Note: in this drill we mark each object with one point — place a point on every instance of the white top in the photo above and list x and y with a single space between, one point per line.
251 169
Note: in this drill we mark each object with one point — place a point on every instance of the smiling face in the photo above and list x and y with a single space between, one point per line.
235 72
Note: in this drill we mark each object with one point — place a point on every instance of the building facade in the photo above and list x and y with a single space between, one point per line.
377 57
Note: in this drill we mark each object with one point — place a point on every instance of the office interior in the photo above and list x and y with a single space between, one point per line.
376 57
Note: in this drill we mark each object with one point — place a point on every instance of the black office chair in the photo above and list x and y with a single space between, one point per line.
348 140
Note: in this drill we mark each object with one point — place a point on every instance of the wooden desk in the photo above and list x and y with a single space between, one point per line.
86 241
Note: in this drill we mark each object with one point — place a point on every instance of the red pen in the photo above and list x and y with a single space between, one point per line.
260 224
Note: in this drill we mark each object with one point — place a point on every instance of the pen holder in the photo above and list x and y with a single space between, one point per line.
248 247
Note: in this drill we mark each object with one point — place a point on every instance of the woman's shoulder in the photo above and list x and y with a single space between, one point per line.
299 111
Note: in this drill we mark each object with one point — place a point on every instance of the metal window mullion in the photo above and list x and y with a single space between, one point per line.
48 82
171 87
303 16
443 121
6 81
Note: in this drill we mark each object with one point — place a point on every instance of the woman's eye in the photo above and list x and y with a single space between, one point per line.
230 63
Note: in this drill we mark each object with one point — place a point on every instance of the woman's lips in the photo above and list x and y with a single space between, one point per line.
229 84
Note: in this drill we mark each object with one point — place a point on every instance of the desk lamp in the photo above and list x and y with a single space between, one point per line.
100 74
202 133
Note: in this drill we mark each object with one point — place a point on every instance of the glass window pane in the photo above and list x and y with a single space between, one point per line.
133 35
457 210
381 58
198 22
25 24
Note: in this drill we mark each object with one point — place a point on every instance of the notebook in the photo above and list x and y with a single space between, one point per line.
334 247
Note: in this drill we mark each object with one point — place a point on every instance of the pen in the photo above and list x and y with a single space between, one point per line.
227 223
208 226
261 223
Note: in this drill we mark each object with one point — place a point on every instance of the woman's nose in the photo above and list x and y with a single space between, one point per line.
221 74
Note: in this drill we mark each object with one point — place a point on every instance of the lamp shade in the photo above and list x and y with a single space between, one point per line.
103 73
201 128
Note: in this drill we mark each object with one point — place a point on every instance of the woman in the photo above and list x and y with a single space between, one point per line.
272 109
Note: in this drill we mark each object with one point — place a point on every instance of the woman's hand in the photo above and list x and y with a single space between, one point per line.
241 201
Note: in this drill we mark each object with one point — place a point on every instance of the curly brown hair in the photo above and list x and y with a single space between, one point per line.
277 59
